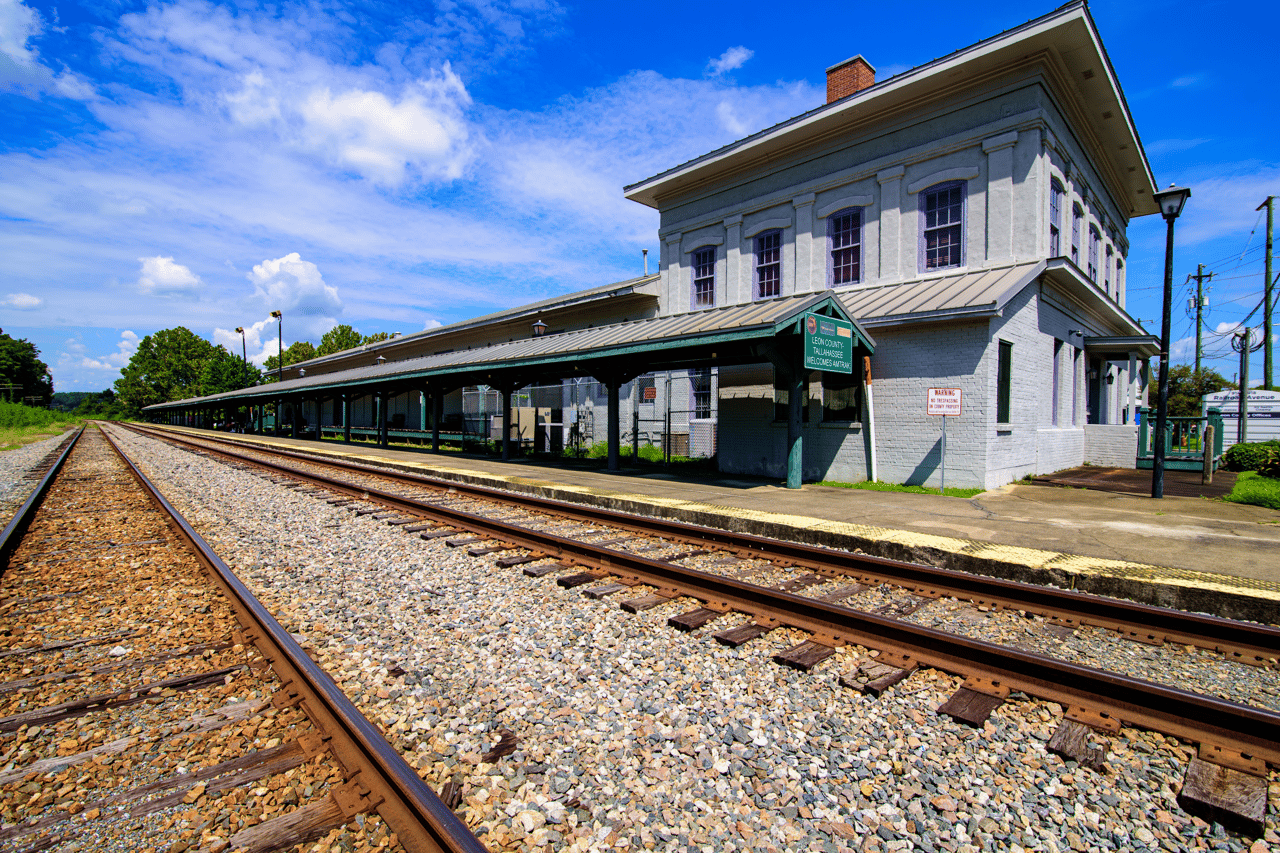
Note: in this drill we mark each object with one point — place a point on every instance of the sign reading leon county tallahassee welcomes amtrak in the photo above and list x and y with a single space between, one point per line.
828 344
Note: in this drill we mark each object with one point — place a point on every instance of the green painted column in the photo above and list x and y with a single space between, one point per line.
506 424
612 384
437 415
346 418
795 439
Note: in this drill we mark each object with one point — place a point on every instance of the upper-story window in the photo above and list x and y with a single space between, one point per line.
1077 216
942 226
1094 239
844 230
704 277
1119 277
768 264
1106 270
1056 194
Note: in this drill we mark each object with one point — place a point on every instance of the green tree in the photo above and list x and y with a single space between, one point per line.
296 352
375 337
339 338
1186 387
175 364
20 366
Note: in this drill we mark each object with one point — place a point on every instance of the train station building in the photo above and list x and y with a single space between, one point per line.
959 226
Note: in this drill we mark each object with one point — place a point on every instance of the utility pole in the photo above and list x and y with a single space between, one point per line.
1200 278
1240 341
1267 286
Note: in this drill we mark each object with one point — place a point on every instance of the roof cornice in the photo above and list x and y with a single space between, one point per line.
1069 27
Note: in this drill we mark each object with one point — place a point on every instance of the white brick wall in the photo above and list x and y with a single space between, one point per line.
1111 445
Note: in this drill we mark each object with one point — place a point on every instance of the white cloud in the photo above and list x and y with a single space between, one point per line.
425 131
731 59
431 324
162 275
75 354
22 301
296 288
18 24
20 67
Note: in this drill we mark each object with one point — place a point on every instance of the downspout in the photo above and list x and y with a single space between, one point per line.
871 419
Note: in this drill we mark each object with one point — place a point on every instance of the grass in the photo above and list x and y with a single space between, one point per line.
1255 489
21 425
877 486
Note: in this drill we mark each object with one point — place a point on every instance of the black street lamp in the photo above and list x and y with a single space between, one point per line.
280 345
1171 202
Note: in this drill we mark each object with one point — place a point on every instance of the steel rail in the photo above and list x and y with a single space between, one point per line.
421 821
1245 642
1226 726
17 526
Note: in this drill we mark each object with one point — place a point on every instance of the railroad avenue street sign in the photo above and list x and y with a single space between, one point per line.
945 401
828 344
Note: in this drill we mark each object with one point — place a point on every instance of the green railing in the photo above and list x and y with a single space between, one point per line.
1183 440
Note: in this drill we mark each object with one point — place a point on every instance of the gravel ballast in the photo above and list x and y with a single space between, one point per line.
630 734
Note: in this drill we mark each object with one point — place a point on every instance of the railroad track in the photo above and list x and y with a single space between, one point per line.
149 702
1226 781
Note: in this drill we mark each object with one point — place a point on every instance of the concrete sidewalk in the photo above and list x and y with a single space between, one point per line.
1190 553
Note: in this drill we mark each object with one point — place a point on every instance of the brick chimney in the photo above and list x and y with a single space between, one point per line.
845 78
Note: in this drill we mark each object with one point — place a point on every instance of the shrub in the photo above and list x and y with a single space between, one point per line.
650 453
1249 456
1271 467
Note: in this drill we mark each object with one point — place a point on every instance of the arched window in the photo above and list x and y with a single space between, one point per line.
942 226
1056 194
1106 270
704 277
844 234
768 273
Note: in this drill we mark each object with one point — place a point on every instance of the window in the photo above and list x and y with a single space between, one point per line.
842 397
1055 218
1094 239
1055 404
1119 277
768 264
942 226
1076 216
844 230
704 277
1004 382
1106 270
700 379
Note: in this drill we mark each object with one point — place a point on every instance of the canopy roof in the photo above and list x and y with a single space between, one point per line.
736 334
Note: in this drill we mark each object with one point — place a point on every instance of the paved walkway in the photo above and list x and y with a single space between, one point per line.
1137 481
1185 552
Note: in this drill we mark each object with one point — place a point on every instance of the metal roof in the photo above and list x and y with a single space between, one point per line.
1068 31
576 349
982 292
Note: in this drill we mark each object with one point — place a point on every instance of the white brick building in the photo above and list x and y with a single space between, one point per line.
971 215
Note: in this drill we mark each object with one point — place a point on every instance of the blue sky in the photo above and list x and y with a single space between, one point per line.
396 166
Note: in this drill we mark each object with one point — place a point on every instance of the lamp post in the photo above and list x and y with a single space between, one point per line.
280 345
244 350
1171 202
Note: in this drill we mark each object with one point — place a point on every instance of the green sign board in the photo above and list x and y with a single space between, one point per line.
828 344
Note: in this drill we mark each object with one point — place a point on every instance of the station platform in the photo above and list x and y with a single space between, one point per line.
1185 552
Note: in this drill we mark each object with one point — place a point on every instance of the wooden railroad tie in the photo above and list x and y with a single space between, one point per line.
1234 798
736 636
876 675
974 701
805 656
693 619
648 602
